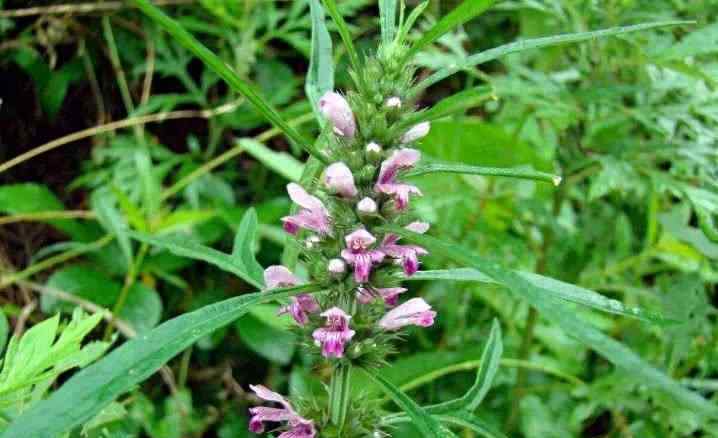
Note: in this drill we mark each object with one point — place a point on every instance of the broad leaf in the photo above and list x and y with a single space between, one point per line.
535 43
91 390
427 425
553 309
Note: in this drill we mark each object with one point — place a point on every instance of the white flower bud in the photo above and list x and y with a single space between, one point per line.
393 102
339 180
417 132
312 241
337 266
373 152
366 207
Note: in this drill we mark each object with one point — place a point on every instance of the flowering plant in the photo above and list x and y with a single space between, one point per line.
354 230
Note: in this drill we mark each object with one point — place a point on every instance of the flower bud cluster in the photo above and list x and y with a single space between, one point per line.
338 225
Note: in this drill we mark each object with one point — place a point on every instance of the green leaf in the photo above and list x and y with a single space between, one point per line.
320 77
103 204
471 421
551 308
387 20
460 15
4 330
433 166
700 42
557 289
150 185
181 246
272 343
535 43
35 198
91 390
490 361
142 310
280 162
454 104
230 76
343 29
427 425
243 250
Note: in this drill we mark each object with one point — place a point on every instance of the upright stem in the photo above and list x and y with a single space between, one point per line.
339 394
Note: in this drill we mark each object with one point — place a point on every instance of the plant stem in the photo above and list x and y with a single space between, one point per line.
339 394
129 282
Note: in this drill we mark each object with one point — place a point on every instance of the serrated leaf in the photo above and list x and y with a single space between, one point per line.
552 309
243 250
92 389
427 425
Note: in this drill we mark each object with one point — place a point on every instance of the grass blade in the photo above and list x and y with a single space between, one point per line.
490 361
557 289
433 166
93 388
225 72
549 306
243 250
460 15
427 425
535 43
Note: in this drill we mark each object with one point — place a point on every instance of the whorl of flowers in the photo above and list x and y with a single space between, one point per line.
337 225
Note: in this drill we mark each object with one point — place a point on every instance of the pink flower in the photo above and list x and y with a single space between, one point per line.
339 179
416 132
359 255
390 295
279 276
336 109
297 426
416 311
335 333
300 308
312 216
407 255
401 159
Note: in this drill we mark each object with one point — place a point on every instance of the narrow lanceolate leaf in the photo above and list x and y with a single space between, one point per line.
89 391
490 361
432 166
280 162
535 43
343 29
554 310
243 251
103 204
427 425
460 15
182 247
320 77
217 65
471 421
557 289
457 103
387 20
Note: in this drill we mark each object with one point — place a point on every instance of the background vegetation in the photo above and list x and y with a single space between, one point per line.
106 121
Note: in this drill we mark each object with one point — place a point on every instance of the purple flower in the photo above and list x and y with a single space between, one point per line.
312 216
336 109
416 132
339 179
407 255
300 308
390 295
401 159
416 311
297 426
279 276
359 255
335 333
